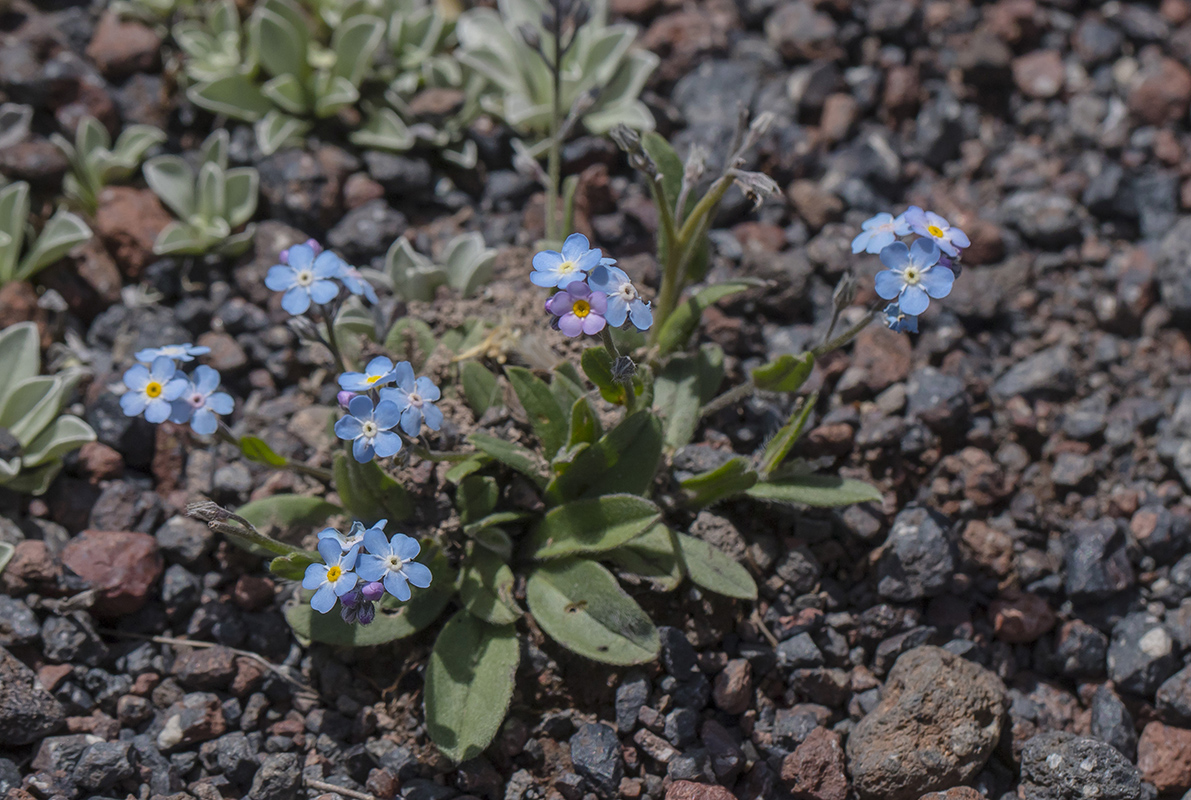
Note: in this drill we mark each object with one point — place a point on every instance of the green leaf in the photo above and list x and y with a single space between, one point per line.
65 434
286 511
14 215
410 339
275 130
242 189
511 455
469 465
668 164
384 130
826 491
287 93
476 497
680 326
417 613
367 492
20 357
582 607
255 449
779 446
59 236
686 384
35 403
625 459
731 478
486 590
479 386
546 417
652 556
495 539
6 551
786 373
212 192
591 526
354 42
172 180
234 95
282 44
597 366
293 567
585 425
469 684
714 570
178 238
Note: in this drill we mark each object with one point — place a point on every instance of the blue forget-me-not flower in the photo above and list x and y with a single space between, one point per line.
624 302
414 399
305 278
353 538
369 428
555 269
332 579
913 277
931 225
178 352
392 563
899 321
879 232
200 404
378 373
152 389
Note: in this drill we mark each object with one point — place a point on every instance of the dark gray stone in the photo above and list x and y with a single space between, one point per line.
798 652
18 623
631 695
678 656
1112 723
1174 698
919 557
400 176
279 778
1096 561
1062 766
104 764
27 711
1047 219
367 231
1141 655
595 752
682 727
1044 373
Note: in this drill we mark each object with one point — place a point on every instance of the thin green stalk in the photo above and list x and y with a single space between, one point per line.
318 473
332 342
554 159
846 336
730 397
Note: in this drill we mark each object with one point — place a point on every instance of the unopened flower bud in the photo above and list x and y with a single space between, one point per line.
366 613
757 186
622 368
531 36
845 292
344 398
373 591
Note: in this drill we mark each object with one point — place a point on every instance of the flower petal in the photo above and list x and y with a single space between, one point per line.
328 265
221 403
316 575
175 389
570 325
387 414
296 301
180 412
599 302
403 374
575 246
406 547
641 315
914 300
617 311
348 428
925 253
323 292
959 238
157 410
137 378
360 407
432 416
133 403
895 256
331 549
362 450
162 369
347 582
860 243
548 260
206 379
204 422
888 284
593 323
411 420
377 543
560 303
418 574
280 277
426 388
395 585
379 366
937 281
300 256
324 599
387 444
371 568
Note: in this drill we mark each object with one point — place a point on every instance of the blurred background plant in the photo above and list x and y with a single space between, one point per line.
58 237
211 205
95 163
34 434
465 265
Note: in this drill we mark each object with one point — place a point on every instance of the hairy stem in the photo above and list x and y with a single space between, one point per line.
845 337
554 159
728 398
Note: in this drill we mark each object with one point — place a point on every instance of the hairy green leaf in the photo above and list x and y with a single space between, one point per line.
486 590
826 491
368 493
625 459
652 556
511 455
731 478
546 417
479 386
786 373
286 511
714 570
779 446
686 384
590 526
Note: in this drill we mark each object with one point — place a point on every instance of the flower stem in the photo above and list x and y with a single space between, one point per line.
730 397
332 341
554 158
845 337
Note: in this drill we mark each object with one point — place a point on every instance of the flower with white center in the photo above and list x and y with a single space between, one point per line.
415 399
624 302
898 321
152 389
930 224
353 538
178 352
354 281
914 276
305 279
879 232
378 373
200 403
392 563
369 429
332 579
554 269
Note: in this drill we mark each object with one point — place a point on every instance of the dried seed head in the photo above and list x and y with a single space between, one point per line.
623 367
845 292
757 186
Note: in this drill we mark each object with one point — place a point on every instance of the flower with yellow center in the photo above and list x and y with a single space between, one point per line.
378 373
152 389
930 224
554 269
332 579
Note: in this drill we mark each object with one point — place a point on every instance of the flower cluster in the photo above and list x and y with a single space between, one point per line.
359 567
593 292
159 391
310 275
915 273
402 401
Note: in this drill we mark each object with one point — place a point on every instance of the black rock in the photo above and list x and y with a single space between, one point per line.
693 765
1161 533
10 776
71 639
181 591
133 437
595 752
919 557
799 569
1096 41
235 754
1096 561
278 778
104 764
401 176
1047 219
678 656
934 397
631 695
1141 655
18 623
1173 263
295 187
799 651
682 726
185 541
1061 766
1112 723
61 753
367 231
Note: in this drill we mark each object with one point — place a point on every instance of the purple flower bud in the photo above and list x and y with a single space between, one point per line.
350 599
373 591
367 613
283 257
314 245
344 398
349 614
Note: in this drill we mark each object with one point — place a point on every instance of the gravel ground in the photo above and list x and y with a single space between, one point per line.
1011 622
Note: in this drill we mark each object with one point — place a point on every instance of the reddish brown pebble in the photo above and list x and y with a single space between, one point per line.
815 770
1021 618
382 784
32 564
250 674
121 566
1163 94
99 462
1164 757
1039 74
958 793
128 222
734 687
205 668
689 790
253 592
121 47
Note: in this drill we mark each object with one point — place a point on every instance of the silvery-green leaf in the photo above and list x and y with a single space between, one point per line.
20 357
215 147
276 130
212 192
355 42
14 123
14 212
90 136
223 17
180 238
238 243
602 54
172 180
288 93
243 190
9 468
384 130
234 95
61 233
60 437
635 115
35 481
338 92
132 144
33 404
282 45
466 157
6 551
